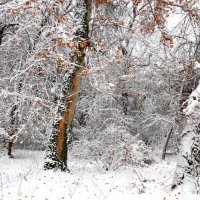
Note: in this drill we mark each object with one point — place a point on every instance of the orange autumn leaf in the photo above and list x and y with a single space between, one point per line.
41 54
28 3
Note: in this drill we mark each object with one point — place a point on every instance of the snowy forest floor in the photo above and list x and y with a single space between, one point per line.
24 178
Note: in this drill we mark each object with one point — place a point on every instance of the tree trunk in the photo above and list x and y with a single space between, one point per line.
166 143
56 157
14 119
12 129
188 163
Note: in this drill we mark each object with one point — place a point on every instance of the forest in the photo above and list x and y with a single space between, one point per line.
99 99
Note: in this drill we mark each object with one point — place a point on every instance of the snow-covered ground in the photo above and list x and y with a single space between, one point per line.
24 178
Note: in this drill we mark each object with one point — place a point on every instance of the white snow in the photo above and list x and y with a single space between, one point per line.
24 178
197 65
193 102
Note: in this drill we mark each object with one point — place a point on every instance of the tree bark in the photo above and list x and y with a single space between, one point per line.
56 157
188 163
166 143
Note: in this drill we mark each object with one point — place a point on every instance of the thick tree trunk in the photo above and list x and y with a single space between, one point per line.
56 157
188 163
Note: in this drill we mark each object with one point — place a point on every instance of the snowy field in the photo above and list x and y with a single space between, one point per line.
24 178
